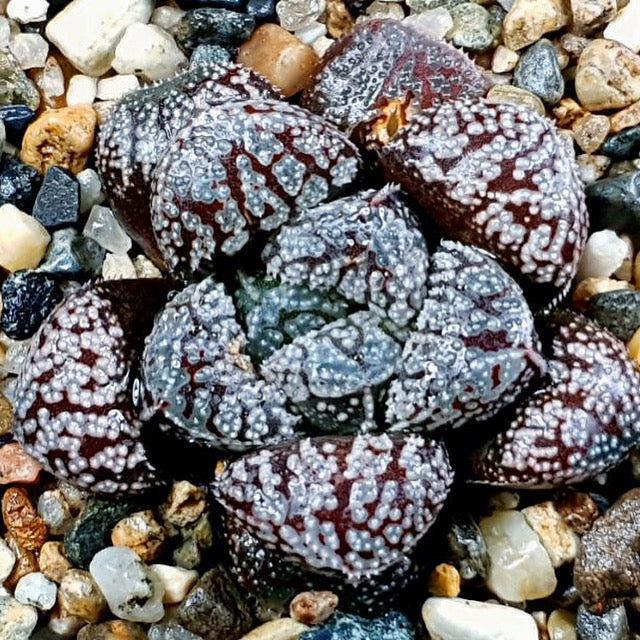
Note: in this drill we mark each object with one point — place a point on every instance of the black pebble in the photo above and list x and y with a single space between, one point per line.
234 5
58 201
614 203
16 118
28 298
225 28
624 145
19 184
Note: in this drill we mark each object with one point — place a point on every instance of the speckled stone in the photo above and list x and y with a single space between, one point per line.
527 21
17 620
225 28
16 87
72 254
611 625
614 203
215 608
208 54
538 71
468 547
618 311
471 27
171 631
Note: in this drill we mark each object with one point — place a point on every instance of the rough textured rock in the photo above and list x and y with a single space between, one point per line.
527 21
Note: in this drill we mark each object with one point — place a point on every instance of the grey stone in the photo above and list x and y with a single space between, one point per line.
208 54
171 631
618 311
614 203
15 87
472 27
468 547
612 625
538 71
71 254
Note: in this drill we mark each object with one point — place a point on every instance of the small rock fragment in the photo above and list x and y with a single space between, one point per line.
339 20
25 562
624 145
176 581
116 87
468 547
313 607
17 620
282 629
80 595
578 510
141 533
90 189
52 562
215 608
509 93
603 254
228 29
149 51
58 201
60 137
538 71
520 567
36 590
624 27
171 630
103 227
7 560
71 254
504 59
82 90
608 76
19 183
280 57
590 15
62 623
471 27
391 626
132 590
444 581
297 14
560 542
54 510
184 505
456 618
30 50
22 520
612 625
23 241
26 11
17 89
561 625
591 131
528 21
91 50
113 630
618 311
16 466
118 266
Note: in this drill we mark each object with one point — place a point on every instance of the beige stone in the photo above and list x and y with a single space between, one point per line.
444 581
592 167
339 20
177 582
79 595
16 466
6 411
504 59
508 93
567 112
634 347
23 241
590 287
574 45
280 57
60 137
52 561
557 538
282 629
591 131
185 504
561 625
608 76
590 15
113 630
626 118
529 20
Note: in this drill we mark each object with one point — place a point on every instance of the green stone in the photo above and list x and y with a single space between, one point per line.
15 87
472 27
614 203
618 311
90 533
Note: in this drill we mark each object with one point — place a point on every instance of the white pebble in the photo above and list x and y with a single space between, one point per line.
149 51
82 90
458 619
23 241
7 560
26 11
520 567
311 32
624 27
117 86
603 254
132 590
383 9
145 268
88 31
54 510
103 227
295 14
17 621
321 44
118 267
167 18
37 590
90 189
434 23
30 49
5 33
176 581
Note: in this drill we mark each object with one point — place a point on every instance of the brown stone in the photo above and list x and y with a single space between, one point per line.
6 415
313 607
591 131
52 561
22 520
590 287
574 45
339 20
444 581
79 595
142 533
508 93
113 630
16 466
578 510
185 504
608 76
280 57
60 137
567 112
26 562
626 118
